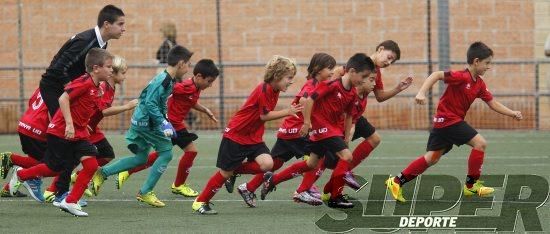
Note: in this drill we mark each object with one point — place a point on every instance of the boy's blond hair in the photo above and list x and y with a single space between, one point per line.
278 67
119 64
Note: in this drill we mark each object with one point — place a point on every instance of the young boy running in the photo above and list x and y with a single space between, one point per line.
243 136
149 128
449 127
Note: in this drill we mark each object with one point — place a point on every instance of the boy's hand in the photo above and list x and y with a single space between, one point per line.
131 104
211 115
305 129
168 129
405 83
517 115
420 98
69 131
295 108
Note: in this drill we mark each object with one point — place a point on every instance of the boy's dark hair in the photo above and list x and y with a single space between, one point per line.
392 46
109 13
318 62
360 62
96 56
178 53
478 50
206 68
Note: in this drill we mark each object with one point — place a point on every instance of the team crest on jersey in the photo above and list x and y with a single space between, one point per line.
468 86
339 95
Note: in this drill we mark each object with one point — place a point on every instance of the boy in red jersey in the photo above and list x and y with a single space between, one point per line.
329 103
60 185
185 97
243 135
68 134
289 142
449 129
32 135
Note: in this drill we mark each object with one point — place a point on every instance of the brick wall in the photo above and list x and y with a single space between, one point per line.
254 30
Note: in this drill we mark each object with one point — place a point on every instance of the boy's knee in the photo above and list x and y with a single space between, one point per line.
374 140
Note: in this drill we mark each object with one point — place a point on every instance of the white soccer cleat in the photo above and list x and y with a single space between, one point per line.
72 208
14 181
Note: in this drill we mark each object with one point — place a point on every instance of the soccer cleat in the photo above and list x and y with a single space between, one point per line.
151 199
72 208
340 202
230 183
305 197
34 187
14 181
58 199
395 189
479 189
349 178
6 193
268 185
203 208
325 197
314 191
97 181
5 164
49 196
184 190
248 197
73 177
121 178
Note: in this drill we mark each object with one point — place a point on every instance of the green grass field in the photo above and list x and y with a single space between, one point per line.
509 152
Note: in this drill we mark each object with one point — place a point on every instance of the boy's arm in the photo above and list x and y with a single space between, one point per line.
348 125
308 106
383 95
199 107
502 109
428 83
292 110
65 107
152 103
114 110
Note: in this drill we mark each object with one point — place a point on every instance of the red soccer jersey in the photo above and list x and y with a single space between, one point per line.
34 121
379 85
84 97
105 102
291 125
460 93
246 127
184 96
332 101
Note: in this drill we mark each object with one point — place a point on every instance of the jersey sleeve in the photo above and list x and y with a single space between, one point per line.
453 77
485 94
263 98
153 102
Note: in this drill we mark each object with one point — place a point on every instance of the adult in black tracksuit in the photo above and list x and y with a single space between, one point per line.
68 64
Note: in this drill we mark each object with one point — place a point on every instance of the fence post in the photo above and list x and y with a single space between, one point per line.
20 56
220 61
537 96
430 63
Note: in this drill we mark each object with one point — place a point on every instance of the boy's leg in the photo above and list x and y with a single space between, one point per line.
89 167
475 162
158 168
